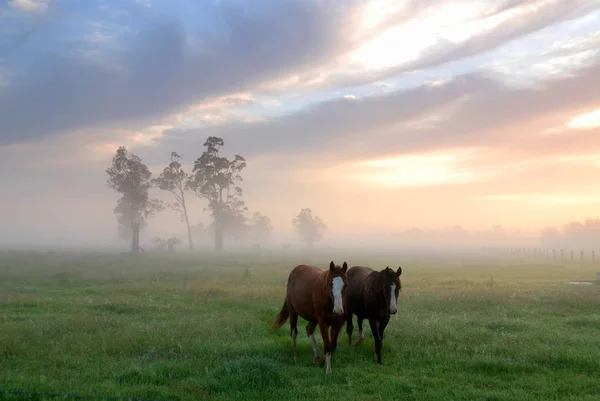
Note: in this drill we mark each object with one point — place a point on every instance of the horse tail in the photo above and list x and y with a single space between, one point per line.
281 317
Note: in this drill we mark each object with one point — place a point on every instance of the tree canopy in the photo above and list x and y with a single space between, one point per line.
309 228
215 178
130 177
260 227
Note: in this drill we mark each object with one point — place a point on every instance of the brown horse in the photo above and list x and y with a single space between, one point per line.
319 297
372 295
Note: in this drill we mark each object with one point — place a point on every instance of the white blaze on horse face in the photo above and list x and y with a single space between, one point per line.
336 288
393 306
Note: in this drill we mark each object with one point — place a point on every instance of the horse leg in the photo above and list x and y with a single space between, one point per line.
294 330
349 326
375 330
361 334
336 327
326 344
310 331
382 325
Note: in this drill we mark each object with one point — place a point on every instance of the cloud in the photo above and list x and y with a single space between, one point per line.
590 119
552 199
35 6
144 61
473 110
160 64
512 23
405 171
471 33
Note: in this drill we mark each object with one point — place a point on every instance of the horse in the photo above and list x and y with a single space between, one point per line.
372 295
319 297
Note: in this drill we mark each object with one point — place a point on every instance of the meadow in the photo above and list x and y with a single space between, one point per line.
178 326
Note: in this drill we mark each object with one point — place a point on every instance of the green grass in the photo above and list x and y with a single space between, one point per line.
189 327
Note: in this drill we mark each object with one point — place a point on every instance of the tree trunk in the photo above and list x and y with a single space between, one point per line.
187 224
218 236
135 243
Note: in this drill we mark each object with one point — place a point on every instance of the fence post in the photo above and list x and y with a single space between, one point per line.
593 257
581 256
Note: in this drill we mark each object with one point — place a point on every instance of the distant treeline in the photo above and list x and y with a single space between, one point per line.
579 235
572 235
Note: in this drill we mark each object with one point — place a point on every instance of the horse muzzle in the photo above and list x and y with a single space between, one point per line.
338 311
393 311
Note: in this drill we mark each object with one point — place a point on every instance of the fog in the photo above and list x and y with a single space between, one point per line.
575 235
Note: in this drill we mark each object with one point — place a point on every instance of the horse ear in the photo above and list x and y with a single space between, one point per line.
399 271
345 267
386 268
331 266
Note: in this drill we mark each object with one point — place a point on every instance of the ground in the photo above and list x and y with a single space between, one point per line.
187 327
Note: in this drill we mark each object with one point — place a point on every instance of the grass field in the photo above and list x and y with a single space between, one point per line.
189 327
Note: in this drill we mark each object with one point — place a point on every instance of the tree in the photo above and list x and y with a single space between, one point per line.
173 179
260 227
130 177
234 223
309 228
572 234
199 231
214 179
125 219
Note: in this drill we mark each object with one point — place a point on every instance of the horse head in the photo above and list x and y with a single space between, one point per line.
337 282
391 286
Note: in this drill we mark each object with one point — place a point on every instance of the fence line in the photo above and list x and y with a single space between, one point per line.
572 255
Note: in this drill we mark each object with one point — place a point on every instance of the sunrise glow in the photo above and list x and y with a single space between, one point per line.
416 170
586 120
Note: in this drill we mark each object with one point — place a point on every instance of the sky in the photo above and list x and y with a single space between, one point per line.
379 115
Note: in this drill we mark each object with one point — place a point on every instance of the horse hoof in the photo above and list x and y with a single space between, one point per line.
359 342
318 362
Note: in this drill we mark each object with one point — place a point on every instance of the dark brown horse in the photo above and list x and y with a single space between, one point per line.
372 295
319 297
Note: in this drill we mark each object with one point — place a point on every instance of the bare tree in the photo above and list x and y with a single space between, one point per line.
173 179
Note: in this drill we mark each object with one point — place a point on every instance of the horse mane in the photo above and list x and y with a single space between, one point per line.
373 285
323 282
